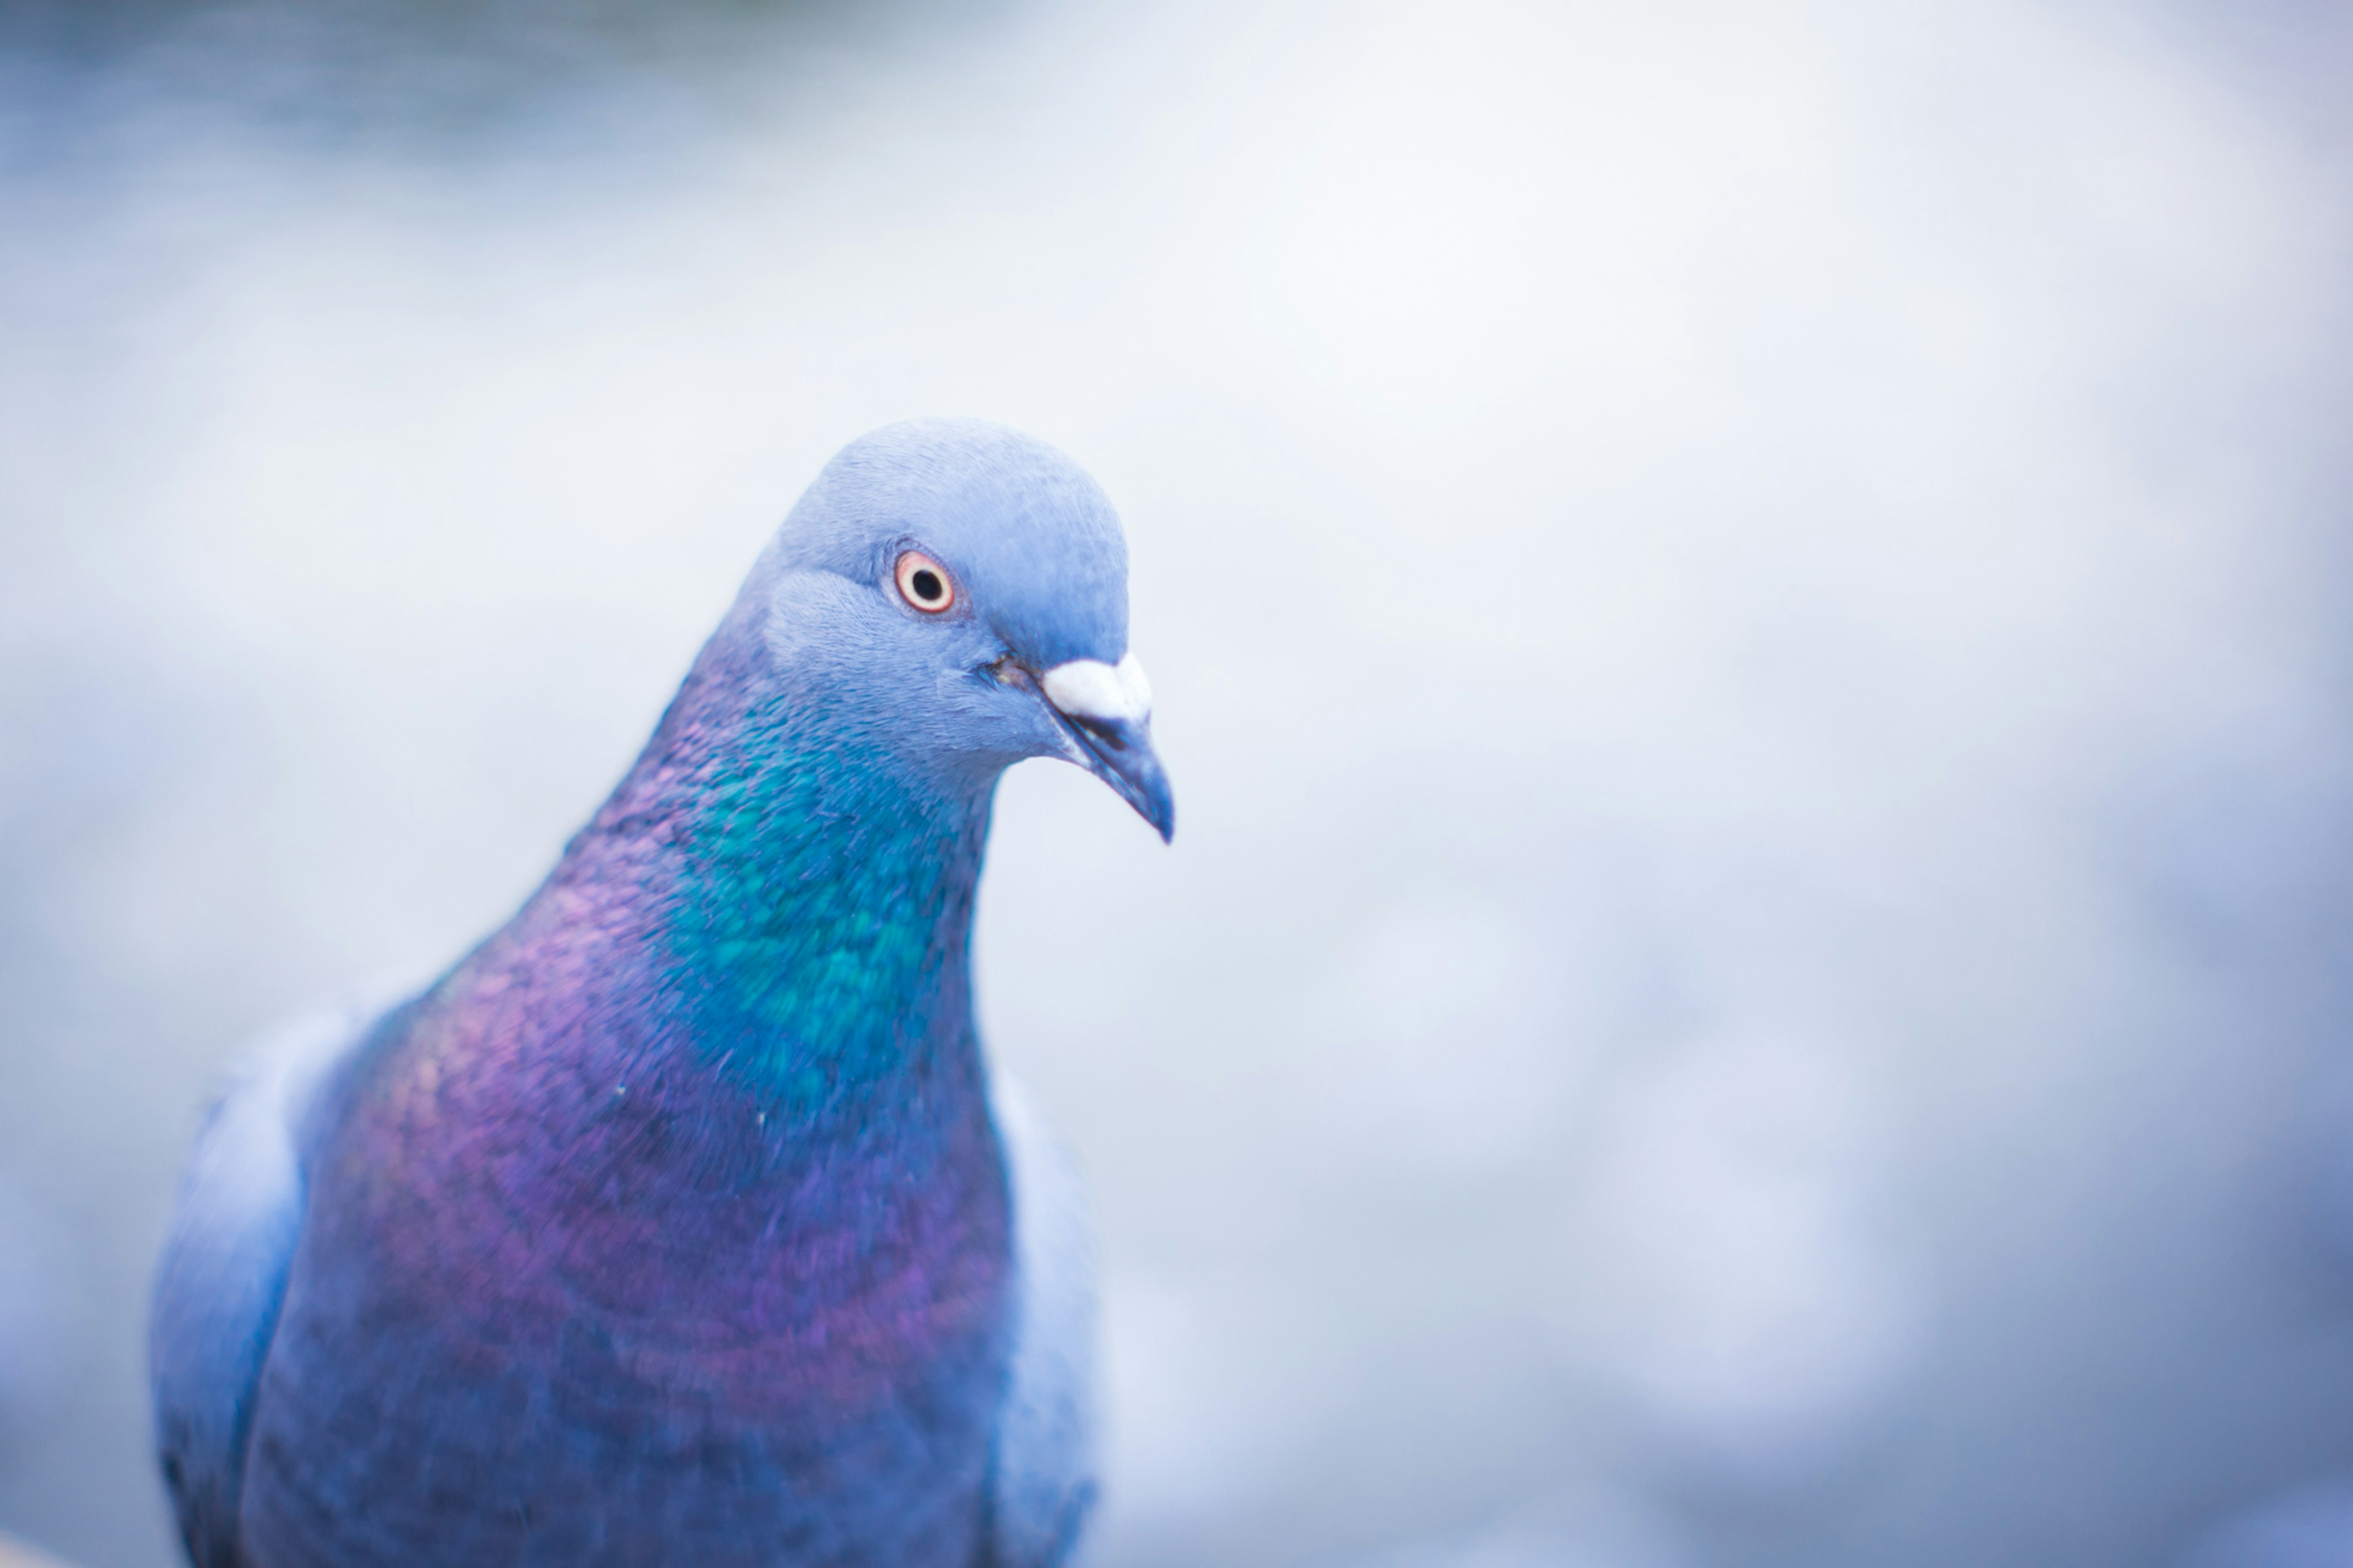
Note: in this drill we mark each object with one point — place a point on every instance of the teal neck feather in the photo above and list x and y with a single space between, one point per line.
801 899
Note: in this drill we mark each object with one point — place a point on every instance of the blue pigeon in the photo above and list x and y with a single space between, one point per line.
682 1221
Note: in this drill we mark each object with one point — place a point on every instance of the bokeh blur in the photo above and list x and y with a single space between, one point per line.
1749 603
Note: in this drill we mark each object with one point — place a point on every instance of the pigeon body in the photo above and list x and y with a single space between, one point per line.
681 1222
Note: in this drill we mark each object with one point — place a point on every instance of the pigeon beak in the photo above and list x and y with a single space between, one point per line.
1106 713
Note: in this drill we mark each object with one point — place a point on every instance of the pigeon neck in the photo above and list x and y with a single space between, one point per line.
801 899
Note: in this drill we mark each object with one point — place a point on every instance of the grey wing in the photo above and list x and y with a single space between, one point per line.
1044 1470
224 1272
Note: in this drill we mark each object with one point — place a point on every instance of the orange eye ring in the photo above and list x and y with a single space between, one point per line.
925 583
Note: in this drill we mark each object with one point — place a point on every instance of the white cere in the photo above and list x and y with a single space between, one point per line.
1090 688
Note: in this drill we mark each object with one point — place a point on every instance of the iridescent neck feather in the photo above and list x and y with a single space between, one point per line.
773 893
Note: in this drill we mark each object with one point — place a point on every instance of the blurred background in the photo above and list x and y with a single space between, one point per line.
1751 613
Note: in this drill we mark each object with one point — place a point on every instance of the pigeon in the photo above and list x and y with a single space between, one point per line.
683 1221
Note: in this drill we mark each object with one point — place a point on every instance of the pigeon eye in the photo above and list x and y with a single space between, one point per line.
924 582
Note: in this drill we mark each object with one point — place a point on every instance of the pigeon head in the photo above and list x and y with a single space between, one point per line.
955 593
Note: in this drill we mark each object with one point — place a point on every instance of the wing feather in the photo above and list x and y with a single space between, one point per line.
1044 1464
223 1270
